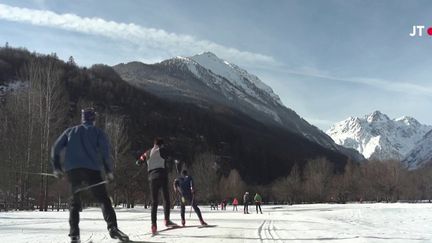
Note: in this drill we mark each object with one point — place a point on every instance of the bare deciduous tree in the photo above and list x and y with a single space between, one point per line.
47 109
233 185
289 189
317 175
346 186
204 172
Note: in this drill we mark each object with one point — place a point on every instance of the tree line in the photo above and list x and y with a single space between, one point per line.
317 182
374 181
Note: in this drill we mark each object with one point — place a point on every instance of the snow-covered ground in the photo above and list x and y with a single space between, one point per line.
299 223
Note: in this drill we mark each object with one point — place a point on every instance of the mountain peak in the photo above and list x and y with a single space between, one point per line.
408 120
377 116
235 80
237 76
376 136
206 54
210 60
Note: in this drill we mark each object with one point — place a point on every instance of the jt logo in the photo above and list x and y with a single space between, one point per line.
417 30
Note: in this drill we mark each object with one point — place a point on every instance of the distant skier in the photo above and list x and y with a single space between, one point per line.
87 154
235 203
158 176
223 204
258 201
213 206
185 187
246 203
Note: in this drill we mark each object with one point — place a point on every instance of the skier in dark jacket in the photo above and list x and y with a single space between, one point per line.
158 176
246 203
214 205
224 204
87 155
184 185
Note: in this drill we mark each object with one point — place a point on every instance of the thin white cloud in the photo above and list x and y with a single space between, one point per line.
146 38
397 86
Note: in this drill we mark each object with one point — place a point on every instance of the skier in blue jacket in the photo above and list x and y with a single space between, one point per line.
87 155
184 185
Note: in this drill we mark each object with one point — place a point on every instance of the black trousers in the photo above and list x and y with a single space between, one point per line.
188 199
157 185
246 208
258 206
82 177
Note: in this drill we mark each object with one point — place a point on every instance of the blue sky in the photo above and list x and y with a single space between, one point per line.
327 60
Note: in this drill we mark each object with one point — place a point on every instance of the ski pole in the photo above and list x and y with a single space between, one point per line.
32 173
178 167
43 174
137 174
90 186
192 202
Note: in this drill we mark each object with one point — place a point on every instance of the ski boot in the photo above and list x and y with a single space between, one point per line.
204 224
115 233
170 224
154 229
75 239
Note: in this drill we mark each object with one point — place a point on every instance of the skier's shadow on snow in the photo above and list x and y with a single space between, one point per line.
133 241
184 227
179 227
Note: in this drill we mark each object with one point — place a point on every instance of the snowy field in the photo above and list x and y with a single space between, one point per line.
299 223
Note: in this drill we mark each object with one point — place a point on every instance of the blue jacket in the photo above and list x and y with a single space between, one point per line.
86 147
185 185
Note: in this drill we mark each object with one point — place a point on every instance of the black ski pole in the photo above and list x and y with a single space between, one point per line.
192 202
90 186
137 174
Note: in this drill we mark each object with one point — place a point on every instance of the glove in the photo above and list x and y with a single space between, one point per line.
139 162
110 177
58 174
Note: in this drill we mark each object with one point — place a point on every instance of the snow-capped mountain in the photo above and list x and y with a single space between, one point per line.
376 136
230 80
251 84
421 154
213 83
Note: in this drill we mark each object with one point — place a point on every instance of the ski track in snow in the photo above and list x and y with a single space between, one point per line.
299 223
260 231
267 232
